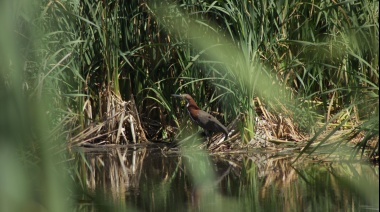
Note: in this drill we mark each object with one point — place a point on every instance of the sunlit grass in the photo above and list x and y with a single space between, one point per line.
62 62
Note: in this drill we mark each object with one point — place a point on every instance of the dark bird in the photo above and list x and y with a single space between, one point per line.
202 118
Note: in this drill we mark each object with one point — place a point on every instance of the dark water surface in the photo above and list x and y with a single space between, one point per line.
155 179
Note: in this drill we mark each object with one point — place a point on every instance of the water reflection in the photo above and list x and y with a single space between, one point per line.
153 179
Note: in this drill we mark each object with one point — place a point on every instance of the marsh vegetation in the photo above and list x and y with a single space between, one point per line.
86 99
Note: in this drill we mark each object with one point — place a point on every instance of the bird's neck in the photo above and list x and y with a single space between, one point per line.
191 105
192 109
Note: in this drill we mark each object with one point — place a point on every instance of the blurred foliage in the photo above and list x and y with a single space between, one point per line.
319 59
30 179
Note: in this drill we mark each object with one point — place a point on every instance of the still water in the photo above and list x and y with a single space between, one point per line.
152 178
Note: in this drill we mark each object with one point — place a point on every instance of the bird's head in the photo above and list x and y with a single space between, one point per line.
188 98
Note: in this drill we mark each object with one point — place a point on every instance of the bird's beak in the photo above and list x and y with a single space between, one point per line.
178 96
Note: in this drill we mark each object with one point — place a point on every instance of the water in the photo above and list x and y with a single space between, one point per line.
155 179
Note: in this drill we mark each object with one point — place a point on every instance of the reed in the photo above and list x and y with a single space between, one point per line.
306 61
69 68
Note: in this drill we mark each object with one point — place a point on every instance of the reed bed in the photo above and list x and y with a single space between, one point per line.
319 60
299 69
102 72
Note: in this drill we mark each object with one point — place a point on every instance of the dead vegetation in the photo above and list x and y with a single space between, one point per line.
122 125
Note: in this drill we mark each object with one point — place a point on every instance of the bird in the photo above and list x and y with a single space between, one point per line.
202 118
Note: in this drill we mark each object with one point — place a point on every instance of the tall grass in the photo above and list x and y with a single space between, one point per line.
321 55
63 61
306 61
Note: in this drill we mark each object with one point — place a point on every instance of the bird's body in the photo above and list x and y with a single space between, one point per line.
202 118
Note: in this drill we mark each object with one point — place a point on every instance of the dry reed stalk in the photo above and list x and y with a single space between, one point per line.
113 125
